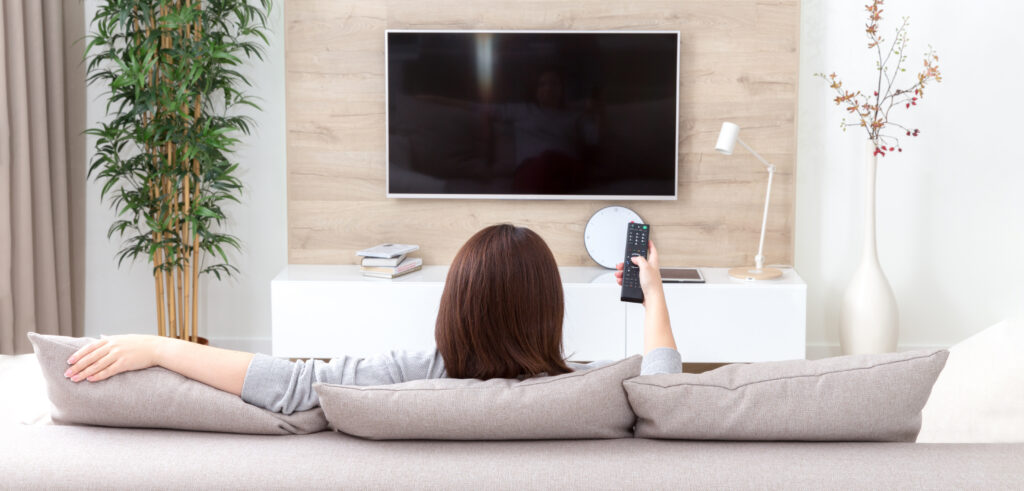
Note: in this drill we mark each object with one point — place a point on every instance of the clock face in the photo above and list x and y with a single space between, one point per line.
605 235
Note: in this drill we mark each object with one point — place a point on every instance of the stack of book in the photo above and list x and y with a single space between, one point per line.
389 260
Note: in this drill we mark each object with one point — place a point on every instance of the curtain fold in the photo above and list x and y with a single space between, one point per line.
35 278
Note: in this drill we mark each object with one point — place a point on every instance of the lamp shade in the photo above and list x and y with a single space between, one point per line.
727 138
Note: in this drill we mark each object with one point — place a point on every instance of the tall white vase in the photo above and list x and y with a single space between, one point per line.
869 318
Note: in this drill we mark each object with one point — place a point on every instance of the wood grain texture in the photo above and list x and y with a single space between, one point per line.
738 62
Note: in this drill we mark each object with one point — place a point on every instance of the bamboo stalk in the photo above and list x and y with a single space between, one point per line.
195 287
181 299
176 293
171 307
161 327
196 35
175 233
158 263
189 299
157 255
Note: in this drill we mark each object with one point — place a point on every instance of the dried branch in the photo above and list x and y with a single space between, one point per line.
875 118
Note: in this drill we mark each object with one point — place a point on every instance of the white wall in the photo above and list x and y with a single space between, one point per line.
235 312
950 211
951 206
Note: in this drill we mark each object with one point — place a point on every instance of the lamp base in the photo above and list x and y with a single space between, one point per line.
749 273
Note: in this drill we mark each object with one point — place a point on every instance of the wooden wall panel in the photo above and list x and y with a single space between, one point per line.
738 62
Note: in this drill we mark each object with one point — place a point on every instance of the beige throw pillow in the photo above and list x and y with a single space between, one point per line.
155 398
580 405
845 398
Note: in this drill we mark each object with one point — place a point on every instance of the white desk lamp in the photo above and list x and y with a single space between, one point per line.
727 139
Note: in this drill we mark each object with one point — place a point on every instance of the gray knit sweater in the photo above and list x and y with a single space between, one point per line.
284 386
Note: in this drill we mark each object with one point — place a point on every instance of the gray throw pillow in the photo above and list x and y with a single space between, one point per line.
155 398
846 398
584 404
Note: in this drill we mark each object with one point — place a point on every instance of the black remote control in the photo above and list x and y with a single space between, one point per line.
637 235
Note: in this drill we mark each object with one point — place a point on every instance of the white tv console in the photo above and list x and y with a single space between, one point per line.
324 311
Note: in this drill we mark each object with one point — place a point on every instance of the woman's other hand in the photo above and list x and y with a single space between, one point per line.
650 275
112 355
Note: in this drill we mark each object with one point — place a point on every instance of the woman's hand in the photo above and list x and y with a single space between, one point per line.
112 355
650 275
657 329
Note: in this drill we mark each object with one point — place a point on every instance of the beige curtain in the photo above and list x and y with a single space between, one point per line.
35 276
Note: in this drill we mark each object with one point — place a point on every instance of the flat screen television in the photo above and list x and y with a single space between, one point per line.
532 114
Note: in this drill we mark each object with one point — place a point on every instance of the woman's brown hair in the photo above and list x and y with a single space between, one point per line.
502 307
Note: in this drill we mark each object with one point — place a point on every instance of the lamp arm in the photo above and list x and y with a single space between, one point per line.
759 259
759 157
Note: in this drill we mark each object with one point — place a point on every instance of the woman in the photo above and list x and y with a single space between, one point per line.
500 317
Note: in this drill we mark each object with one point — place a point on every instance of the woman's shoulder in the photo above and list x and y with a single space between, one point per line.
658 360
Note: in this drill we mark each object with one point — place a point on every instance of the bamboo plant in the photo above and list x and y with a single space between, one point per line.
165 155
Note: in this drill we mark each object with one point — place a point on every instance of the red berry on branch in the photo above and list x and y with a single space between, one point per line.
908 104
876 92
908 133
891 149
901 149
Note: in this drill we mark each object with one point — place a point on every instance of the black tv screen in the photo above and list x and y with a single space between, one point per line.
529 114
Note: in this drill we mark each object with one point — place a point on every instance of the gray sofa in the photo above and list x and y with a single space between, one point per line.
81 457
47 456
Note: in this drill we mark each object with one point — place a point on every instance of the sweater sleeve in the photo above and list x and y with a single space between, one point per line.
285 386
658 360
661 360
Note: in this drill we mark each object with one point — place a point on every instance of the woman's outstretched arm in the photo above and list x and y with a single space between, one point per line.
217 367
657 329
272 383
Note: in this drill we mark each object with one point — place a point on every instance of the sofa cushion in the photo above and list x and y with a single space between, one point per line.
979 397
24 391
155 398
846 398
578 405
90 457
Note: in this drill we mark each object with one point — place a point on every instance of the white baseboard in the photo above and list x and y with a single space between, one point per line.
817 351
251 345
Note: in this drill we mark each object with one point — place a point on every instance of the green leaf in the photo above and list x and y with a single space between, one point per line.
206 212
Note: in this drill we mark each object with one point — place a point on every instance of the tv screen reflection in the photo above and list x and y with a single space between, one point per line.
522 114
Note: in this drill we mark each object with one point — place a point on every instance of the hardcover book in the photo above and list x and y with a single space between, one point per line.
388 250
383 261
409 264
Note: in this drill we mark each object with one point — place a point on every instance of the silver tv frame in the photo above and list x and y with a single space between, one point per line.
387 126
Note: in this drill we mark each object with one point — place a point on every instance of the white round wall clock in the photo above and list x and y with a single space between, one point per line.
605 235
